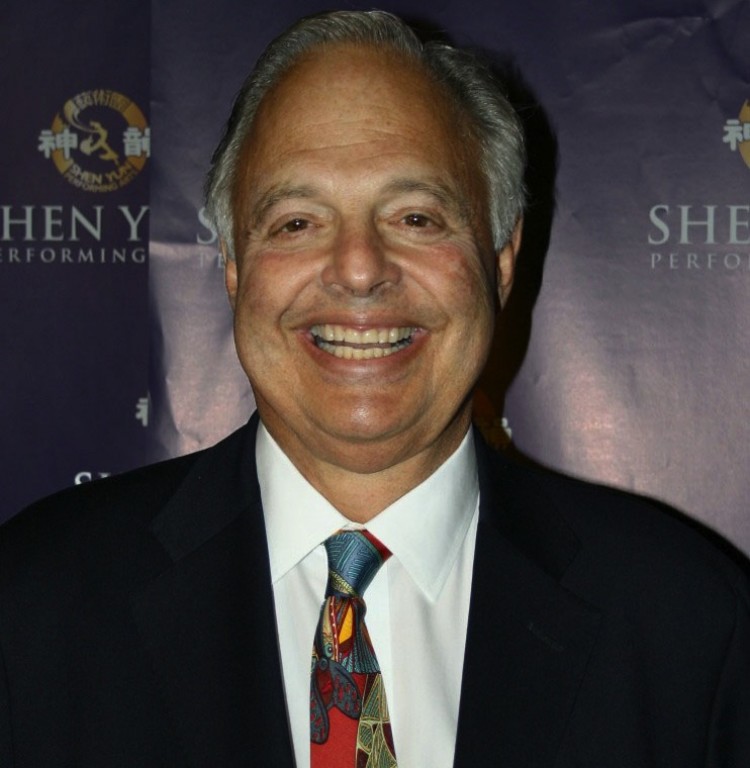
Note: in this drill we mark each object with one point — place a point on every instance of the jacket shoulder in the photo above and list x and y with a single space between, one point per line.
108 520
621 546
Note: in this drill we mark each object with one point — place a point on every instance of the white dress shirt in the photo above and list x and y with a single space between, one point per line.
417 604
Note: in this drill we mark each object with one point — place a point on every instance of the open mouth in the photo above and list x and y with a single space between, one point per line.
354 344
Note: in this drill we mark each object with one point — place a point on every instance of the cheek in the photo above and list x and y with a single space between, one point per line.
462 282
470 302
258 309
267 285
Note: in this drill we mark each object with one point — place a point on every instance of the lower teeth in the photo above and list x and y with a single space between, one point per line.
360 353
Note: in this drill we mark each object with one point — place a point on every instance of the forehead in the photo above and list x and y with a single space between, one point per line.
343 96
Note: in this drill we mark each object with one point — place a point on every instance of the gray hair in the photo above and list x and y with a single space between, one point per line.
467 81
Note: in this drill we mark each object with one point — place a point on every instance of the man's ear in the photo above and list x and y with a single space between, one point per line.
506 263
230 274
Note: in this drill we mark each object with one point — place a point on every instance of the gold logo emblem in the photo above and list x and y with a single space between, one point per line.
737 133
99 141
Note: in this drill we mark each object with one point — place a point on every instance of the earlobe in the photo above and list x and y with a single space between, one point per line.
230 274
506 263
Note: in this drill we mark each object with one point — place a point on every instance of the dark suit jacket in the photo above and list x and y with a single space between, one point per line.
137 628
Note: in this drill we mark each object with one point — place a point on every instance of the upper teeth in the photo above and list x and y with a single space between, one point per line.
354 344
354 336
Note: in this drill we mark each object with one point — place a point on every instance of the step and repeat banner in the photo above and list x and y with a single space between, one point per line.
624 354
75 159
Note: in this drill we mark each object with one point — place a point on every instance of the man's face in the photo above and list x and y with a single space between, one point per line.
365 283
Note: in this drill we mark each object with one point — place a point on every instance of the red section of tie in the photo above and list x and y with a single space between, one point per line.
340 749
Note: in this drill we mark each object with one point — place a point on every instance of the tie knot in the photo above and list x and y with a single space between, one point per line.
354 558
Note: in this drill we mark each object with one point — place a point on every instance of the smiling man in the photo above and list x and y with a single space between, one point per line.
210 611
365 280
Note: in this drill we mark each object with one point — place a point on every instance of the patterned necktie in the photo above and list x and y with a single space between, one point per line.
349 723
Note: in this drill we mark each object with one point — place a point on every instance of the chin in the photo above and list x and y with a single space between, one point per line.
363 431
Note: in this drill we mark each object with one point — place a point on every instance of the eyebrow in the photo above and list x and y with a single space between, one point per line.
443 193
276 195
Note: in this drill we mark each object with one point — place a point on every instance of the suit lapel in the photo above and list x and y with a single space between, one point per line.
528 639
208 621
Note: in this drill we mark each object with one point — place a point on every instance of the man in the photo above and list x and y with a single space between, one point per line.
368 197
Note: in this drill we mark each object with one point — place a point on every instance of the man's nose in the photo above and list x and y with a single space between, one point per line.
360 262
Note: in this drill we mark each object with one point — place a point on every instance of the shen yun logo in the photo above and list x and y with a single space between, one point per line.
737 133
706 237
99 141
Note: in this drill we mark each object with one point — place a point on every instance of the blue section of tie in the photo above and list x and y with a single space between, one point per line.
353 561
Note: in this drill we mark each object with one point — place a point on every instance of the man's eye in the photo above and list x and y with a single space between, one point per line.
417 220
295 225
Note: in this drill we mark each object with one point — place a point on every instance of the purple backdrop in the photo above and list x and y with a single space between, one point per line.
632 367
73 243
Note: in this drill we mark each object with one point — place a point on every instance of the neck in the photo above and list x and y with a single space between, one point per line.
360 482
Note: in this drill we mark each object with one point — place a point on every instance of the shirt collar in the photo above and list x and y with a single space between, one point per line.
424 529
